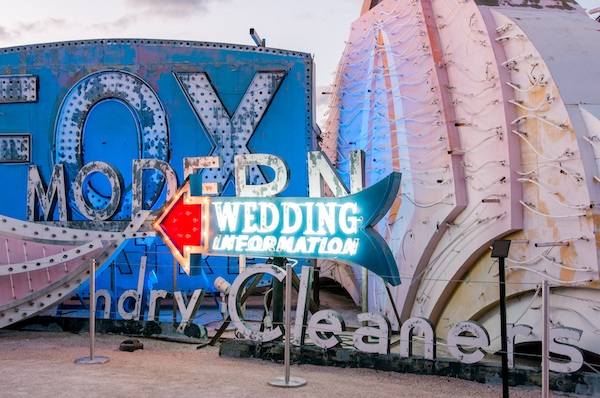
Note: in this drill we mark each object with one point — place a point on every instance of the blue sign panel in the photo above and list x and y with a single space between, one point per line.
93 132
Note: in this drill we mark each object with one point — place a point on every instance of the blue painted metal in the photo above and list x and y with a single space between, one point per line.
15 148
115 101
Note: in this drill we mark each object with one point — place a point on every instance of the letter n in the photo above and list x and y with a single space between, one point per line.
55 194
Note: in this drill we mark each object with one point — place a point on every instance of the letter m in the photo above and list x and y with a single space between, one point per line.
37 194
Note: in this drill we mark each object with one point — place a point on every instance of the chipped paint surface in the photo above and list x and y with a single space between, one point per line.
568 5
18 88
37 275
150 118
499 101
230 134
15 148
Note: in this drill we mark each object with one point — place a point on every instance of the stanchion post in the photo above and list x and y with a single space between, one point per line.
500 251
92 359
174 290
92 308
278 295
365 292
545 339
242 268
287 380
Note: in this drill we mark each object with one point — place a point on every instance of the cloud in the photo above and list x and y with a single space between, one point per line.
22 32
119 25
171 8
4 34
142 15
45 24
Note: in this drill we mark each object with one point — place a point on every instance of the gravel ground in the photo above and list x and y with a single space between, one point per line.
41 364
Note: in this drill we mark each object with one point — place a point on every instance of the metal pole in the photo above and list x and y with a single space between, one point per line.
288 315
278 293
365 292
174 290
287 381
545 339
503 328
92 359
242 268
92 307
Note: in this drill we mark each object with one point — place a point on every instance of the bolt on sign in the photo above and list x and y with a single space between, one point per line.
265 226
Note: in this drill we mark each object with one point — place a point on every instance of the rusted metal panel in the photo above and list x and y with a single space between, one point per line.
18 88
15 148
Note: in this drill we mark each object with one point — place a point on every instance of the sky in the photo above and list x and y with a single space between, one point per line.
318 27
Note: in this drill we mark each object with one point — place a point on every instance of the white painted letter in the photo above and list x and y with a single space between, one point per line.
158 167
406 337
381 334
323 326
188 311
227 215
135 295
243 187
512 331
56 192
235 306
567 350
468 333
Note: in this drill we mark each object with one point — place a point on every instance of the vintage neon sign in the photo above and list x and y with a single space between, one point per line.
129 303
70 193
326 228
465 339
120 123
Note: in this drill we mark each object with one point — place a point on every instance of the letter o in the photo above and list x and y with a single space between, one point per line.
150 117
335 245
255 243
116 187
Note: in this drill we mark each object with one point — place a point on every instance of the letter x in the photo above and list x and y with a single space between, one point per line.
230 135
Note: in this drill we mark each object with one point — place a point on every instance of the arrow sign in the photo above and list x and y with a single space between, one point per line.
328 228
182 224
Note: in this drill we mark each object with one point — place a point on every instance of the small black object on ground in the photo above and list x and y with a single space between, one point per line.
131 345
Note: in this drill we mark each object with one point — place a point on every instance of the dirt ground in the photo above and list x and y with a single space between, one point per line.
41 364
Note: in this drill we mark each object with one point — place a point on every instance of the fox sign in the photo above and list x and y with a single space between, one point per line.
339 228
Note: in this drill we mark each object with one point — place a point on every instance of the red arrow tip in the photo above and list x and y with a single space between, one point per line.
182 224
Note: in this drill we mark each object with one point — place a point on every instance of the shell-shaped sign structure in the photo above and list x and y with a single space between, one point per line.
491 111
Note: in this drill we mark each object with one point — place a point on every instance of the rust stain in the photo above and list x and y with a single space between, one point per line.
568 257
543 208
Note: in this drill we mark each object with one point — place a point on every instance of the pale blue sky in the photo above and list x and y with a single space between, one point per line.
318 27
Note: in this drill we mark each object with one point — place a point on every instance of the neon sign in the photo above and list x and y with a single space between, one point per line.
125 129
465 339
326 228
118 125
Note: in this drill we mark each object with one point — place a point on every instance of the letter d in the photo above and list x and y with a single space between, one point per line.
135 295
